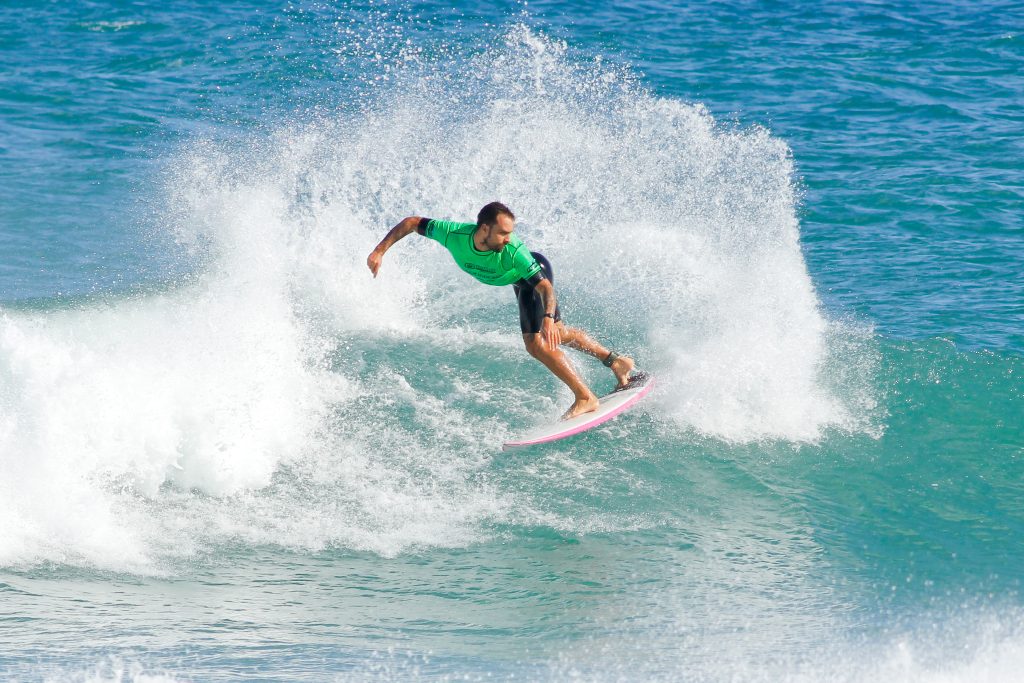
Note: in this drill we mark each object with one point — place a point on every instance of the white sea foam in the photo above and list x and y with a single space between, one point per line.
965 647
109 670
673 236
110 25
253 402
206 388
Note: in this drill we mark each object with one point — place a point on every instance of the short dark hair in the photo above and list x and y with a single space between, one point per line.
489 214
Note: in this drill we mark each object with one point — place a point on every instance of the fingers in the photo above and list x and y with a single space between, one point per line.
552 338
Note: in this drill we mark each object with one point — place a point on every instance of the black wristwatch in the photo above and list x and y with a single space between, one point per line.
549 315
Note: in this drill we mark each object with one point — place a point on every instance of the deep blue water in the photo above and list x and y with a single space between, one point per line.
228 454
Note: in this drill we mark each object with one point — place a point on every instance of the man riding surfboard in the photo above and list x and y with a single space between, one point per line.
489 251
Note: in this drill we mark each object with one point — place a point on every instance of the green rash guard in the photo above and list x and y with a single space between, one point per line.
511 264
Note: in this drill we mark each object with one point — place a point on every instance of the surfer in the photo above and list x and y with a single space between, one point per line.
489 251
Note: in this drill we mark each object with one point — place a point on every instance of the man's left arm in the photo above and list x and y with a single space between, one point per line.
549 330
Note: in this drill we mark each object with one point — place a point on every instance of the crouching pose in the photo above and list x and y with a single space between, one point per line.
489 251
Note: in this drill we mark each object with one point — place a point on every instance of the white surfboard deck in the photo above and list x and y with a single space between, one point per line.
613 404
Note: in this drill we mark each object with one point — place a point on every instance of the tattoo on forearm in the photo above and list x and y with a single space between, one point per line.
548 296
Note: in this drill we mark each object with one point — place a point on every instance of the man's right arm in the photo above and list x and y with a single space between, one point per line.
405 227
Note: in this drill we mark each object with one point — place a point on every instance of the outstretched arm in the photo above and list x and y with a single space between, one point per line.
405 227
549 331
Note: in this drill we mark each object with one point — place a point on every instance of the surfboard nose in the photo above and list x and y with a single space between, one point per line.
612 404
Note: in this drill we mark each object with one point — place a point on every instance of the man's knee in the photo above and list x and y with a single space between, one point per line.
534 346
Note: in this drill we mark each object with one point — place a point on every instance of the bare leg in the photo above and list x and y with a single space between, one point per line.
558 364
578 339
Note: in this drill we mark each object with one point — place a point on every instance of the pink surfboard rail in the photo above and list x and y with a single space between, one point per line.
612 405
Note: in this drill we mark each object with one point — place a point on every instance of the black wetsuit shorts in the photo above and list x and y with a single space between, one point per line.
531 305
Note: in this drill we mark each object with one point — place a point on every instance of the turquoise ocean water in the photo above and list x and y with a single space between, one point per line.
226 453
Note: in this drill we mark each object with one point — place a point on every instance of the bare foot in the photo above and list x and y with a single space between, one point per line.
622 366
581 406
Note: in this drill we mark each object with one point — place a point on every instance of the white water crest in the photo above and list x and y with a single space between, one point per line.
283 396
673 238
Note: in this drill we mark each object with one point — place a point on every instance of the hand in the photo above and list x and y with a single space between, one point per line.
550 334
373 261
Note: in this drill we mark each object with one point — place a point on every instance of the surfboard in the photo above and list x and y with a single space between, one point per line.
612 405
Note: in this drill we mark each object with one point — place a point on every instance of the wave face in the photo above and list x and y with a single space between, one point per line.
282 361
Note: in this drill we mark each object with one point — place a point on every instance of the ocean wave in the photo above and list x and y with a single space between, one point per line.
282 383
